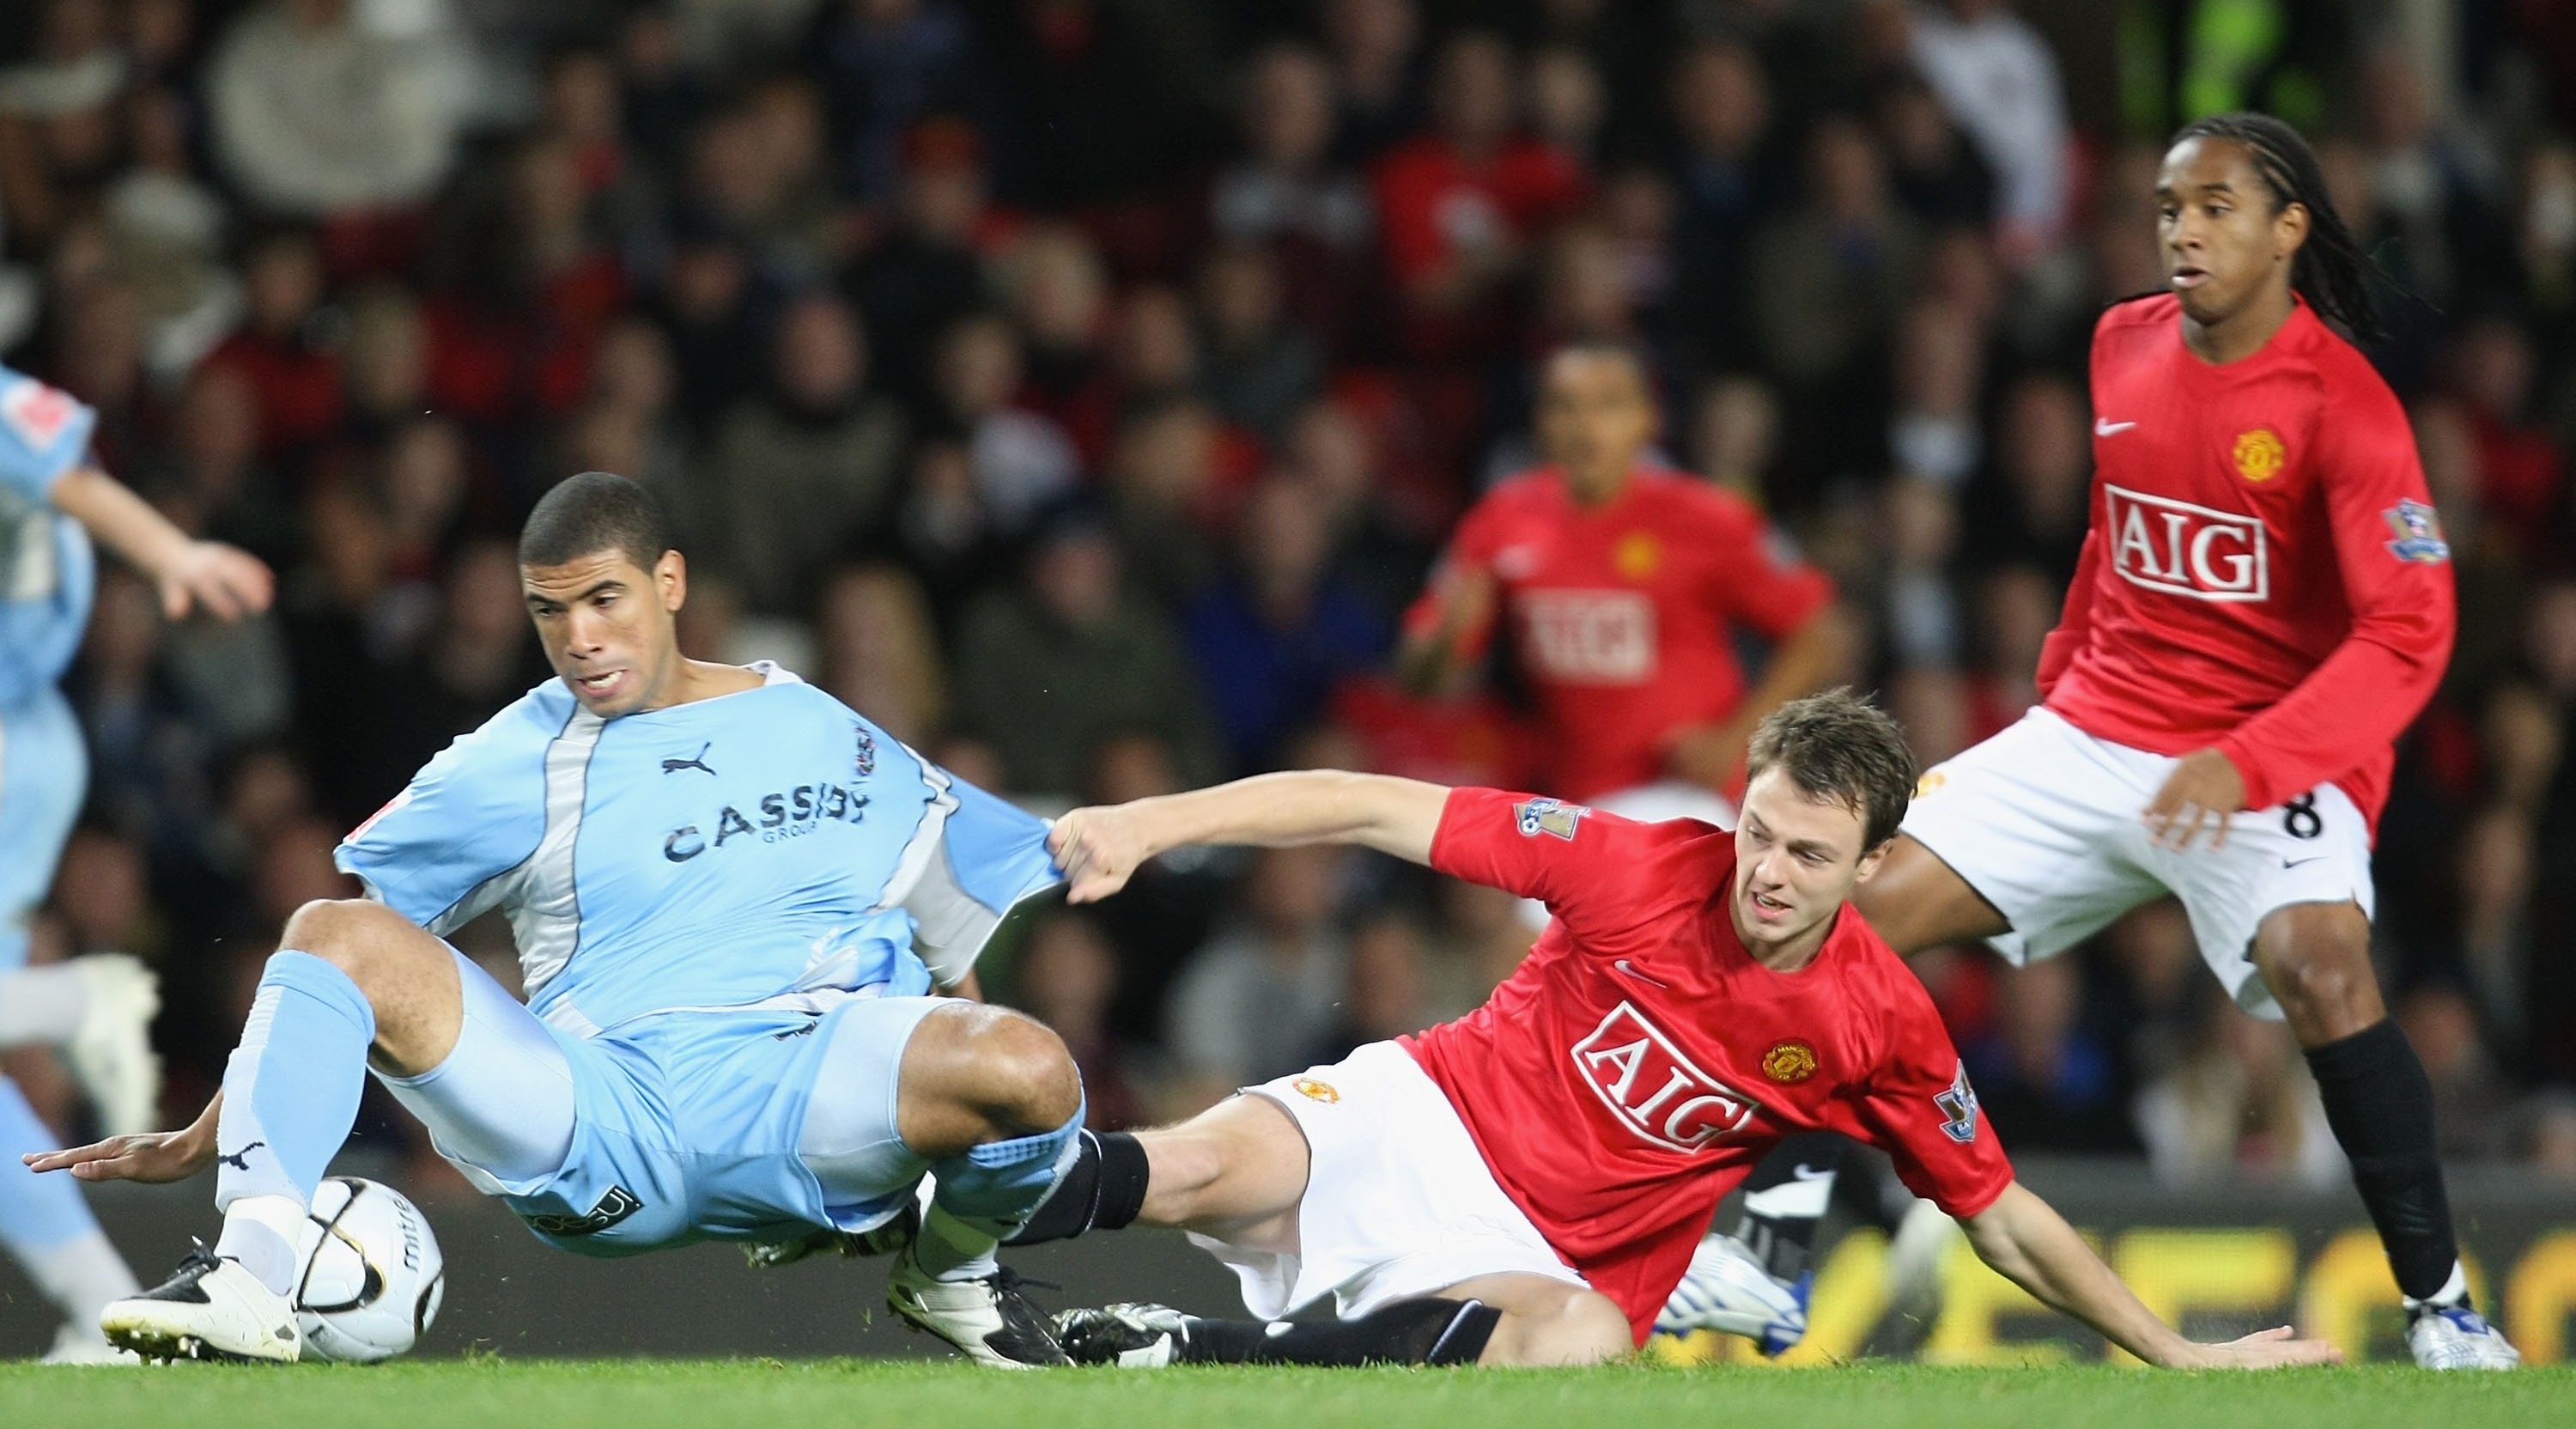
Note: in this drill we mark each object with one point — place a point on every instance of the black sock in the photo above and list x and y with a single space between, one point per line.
1104 1191
1785 1199
2380 1104
1425 1331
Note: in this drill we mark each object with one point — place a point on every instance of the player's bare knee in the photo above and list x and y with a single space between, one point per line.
1023 1077
2318 968
1585 1327
360 938
2326 998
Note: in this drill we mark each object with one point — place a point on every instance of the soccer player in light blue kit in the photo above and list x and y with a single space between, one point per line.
732 898
99 1009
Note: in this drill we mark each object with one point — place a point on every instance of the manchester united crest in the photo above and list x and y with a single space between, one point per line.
2259 455
1789 1063
1636 555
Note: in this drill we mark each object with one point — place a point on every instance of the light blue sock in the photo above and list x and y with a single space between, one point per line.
985 1195
291 1089
36 1212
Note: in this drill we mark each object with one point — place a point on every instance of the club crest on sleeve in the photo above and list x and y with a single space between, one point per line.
1534 817
867 752
1958 1108
2415 532
36 412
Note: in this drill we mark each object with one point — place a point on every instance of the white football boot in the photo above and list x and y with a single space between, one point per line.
1727 1290
111 1055
987 1319
2456 1337
1915 1255
209 1309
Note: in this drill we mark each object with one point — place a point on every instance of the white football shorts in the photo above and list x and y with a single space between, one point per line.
2043 822
1399 1203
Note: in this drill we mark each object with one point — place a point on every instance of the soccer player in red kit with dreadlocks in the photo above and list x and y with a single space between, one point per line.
2264 603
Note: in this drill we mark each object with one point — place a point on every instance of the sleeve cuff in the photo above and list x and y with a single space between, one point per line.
2259 793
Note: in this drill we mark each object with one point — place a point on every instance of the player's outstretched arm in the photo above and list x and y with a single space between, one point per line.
1100 847
2030 1244
227 582
153 1156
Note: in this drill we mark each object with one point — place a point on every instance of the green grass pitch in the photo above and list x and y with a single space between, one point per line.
648 1394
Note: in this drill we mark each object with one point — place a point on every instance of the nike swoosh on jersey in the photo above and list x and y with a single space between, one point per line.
2104 428
1624 966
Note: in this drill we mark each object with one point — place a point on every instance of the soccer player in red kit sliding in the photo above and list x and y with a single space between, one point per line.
1525 1185
1624 585
2263 604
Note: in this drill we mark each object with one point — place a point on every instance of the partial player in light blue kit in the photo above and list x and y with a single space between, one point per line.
733 898
99 1009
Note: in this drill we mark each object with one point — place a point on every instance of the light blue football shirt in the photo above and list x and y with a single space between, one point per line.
712 854
47 571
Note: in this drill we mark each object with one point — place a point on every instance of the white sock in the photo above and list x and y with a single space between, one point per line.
80 1275
270 1236
2454 1291
42 1006
951 1249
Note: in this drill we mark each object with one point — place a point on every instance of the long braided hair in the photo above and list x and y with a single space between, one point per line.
2331 270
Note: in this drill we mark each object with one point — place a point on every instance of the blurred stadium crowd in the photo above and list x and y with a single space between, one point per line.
1079 388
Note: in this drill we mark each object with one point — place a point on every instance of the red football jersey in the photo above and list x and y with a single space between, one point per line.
1640 1061
2265 572
1626 613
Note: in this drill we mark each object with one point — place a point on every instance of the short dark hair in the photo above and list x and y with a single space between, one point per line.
594 512
1840 747
1611 349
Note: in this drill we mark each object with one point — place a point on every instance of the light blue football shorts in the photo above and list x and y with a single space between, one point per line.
44 772
760 1122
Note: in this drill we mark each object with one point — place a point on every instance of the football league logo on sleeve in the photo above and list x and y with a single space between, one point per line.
36 412
1534 817
1958 1108
2416 531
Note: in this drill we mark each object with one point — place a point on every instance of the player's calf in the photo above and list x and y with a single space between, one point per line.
993 1101
349 979
2315 958
1549 1322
